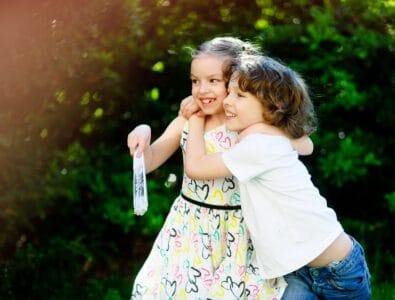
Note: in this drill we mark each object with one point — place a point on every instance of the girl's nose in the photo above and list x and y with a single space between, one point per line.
203 88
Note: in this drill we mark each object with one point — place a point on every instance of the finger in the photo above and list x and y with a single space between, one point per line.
132 146
195 104
193 107
200 114
184 102
185 111
131 150
182 105
129 139
140 149
187 106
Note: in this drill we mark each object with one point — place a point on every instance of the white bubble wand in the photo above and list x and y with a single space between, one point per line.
140 200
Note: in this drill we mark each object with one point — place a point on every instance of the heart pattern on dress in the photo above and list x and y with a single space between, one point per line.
237 289
228 184
170 287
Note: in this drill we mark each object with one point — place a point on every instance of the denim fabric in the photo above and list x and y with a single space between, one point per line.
345 279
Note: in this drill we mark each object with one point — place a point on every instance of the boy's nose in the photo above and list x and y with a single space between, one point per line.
227 100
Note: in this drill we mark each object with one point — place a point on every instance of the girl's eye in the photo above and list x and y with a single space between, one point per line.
240 95
215 80
194 81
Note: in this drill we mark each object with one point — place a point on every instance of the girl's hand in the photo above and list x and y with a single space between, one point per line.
139 139
303 145
188 107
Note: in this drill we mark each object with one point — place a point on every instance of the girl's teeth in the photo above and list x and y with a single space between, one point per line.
207 101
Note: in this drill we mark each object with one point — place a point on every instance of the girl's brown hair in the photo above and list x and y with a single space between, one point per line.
226 46
282 92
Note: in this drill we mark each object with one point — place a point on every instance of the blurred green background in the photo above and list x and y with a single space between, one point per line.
76 76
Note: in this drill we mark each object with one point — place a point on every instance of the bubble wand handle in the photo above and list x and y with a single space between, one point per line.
140 199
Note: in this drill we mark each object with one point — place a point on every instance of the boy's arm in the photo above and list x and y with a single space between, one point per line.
198 164
303 145
161 149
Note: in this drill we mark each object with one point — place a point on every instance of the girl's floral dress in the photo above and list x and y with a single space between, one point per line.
203 252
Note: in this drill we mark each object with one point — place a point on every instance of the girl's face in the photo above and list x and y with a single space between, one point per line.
242 109
208 84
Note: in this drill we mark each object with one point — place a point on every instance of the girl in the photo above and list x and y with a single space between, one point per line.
293 231
203 249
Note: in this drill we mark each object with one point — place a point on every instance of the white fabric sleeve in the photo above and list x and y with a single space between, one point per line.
256 154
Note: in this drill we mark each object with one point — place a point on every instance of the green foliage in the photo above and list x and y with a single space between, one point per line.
88 217
391 201
347 158
78 75
55 272
383 291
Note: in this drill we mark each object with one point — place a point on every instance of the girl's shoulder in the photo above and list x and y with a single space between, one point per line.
177 125
219 128
180 121
217 139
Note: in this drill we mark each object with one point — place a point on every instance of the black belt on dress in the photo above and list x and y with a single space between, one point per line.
223 207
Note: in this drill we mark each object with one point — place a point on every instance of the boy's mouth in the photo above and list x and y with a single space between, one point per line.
229 115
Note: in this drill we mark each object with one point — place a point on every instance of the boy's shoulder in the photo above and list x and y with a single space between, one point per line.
257 144
266 140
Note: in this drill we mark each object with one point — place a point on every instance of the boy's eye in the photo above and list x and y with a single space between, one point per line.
240 95
194 81
215 80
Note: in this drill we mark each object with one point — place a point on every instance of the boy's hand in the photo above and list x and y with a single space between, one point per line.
139 139
188 107
197 116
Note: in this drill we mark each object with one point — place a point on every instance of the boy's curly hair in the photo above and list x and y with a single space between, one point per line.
282 92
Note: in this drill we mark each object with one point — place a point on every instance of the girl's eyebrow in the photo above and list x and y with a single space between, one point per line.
209 76
216 75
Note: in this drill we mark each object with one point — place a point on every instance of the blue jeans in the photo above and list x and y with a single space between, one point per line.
345 279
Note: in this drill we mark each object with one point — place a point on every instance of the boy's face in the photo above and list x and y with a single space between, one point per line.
242 109
208 84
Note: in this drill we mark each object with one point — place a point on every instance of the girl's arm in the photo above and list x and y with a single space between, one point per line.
198 164
159 151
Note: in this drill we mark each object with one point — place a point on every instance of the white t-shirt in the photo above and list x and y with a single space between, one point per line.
289 221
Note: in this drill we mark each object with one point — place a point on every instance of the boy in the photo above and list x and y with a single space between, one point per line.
293 231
